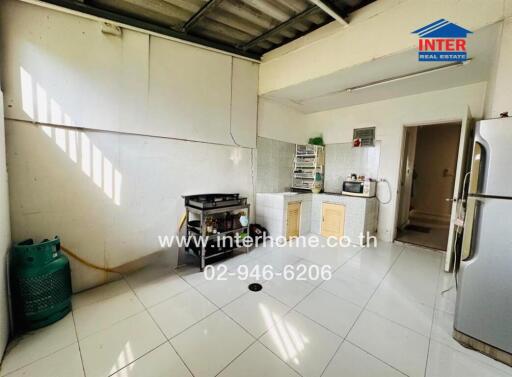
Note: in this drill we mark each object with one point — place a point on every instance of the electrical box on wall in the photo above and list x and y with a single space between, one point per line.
364 137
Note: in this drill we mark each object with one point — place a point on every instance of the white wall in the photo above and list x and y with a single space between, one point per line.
389 117
61 69
281 122
108 195
499 98
5 235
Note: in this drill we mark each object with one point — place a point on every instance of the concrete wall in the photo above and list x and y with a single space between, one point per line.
61 69
5 235
499 97
281 122
275 165
109 196
389 117
435 164
100 185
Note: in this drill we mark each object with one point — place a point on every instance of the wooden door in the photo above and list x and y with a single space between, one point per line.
333 220
293 220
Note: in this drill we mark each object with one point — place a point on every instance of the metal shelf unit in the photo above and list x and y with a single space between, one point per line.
200 231
308 167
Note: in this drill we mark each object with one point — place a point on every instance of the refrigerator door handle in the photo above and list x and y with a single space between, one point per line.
470 223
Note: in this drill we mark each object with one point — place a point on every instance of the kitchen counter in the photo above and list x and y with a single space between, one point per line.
360 213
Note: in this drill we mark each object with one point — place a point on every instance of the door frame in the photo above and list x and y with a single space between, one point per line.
402 157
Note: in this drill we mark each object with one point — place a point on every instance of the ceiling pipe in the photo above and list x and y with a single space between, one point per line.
330 10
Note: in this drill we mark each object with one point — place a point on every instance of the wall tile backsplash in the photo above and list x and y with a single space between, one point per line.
275 164
342 159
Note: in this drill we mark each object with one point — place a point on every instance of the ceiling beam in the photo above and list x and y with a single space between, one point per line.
123 19
331 10
278 28
207 7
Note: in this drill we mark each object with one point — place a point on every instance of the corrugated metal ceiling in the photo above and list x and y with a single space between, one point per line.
245 27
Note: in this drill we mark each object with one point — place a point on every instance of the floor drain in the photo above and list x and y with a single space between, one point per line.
255 287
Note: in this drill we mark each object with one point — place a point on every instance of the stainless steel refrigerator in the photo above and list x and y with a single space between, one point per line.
483 317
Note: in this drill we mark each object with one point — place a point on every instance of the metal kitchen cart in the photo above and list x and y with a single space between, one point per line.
195 231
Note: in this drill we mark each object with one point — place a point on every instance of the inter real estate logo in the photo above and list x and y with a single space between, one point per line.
442 41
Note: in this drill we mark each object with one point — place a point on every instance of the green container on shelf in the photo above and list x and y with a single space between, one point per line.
40 280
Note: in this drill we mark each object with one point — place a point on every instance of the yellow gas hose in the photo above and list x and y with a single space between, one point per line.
88 264
107 269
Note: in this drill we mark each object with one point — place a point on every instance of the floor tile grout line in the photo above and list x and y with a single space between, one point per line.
364 308
78 342
291 308
181 358
167 340
254 341
432 323
136 359
376 357
36 360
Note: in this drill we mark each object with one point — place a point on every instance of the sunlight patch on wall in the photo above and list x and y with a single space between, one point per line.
75 144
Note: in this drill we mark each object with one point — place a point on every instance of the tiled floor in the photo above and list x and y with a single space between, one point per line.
382 314
436 238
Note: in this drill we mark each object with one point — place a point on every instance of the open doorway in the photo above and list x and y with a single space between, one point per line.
429 164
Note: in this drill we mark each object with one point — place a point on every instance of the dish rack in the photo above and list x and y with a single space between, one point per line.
308 169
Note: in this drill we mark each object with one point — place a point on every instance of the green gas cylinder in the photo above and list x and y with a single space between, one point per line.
40 281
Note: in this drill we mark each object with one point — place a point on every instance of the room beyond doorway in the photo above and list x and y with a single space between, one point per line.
429 163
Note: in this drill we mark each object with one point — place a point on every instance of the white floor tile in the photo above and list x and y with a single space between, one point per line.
279 259
350 289
222 292
289 292
444 361
400 309
181 311
418 288
191 274
103 314
446 293
104 292
37 344
258 361
396 345
442 330
304 345
154 285
362 273
161 362
107 351
351 361
256 312
63 363
335 313
210 345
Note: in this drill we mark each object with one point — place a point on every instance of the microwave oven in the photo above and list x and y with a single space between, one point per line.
366 189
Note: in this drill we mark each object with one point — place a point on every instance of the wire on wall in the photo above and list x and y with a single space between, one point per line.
389 190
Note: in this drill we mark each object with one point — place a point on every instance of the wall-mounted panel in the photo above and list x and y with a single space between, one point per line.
189 92
244 106
62 69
